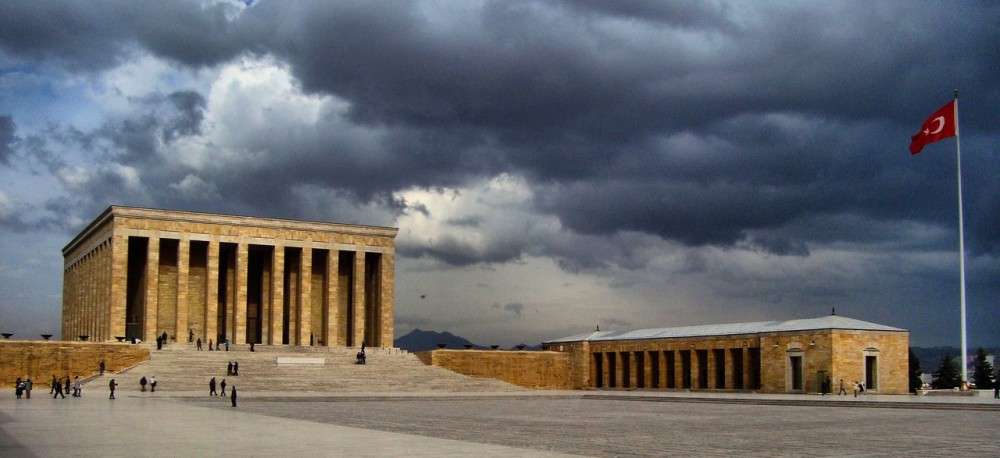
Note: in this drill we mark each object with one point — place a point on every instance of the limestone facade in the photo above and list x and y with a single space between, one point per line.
40 360
137 273
530 369
794 361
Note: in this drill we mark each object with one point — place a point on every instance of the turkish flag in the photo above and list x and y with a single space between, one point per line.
938 126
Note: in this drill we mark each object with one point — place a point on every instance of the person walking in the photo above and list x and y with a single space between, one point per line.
100 367
210 345
211 387
229 368
232 396
996 389
227 344
222 387
77 387
142 383
165 338
152 384
190 335
66 390
52 386
112 384
159 343
842 391
236 368
28 385
198 344
856 385
59 391
18 388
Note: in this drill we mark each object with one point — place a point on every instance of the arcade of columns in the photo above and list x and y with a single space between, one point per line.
137 273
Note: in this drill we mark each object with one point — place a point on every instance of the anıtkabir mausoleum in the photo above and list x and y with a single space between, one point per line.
139 273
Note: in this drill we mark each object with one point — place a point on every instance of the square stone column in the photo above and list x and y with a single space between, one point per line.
333 318
647 370
387 298
277 295
633 370
304 315
730 367
711 368
152 289
663 368
359 296
119 272
183 265
679 369
212 293
606 374
240 310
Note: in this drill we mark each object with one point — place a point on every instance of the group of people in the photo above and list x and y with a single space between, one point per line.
826 387
57 390
161 340
212 347
151 382
23 387
222 388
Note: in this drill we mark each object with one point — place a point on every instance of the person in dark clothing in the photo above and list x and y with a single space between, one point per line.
28 385
236 368
164 337
59 391
111 387
66 390
222 387
159 343
229 368
142 383
18 388
996 389
251 346
190 335
210 348
232 396
100 367
227 344
198 344
211 387
52 386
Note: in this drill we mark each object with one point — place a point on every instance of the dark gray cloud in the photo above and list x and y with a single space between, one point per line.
778 128
7 138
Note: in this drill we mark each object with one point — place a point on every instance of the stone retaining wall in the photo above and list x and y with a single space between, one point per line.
40 360
530 369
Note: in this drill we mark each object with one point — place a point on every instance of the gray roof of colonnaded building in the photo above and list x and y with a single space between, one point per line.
729 329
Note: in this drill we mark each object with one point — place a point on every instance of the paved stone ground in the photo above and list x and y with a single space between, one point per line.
501 424
148 426
629 428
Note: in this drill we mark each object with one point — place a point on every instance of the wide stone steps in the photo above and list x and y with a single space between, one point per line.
180 368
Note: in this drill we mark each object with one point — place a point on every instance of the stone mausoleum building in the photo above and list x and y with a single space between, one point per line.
792 356
139 272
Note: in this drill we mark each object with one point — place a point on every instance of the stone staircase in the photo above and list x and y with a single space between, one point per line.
179 367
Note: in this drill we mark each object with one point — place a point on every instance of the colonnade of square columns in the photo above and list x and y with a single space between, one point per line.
721 368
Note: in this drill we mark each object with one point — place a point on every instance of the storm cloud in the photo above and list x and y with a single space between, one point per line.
608 138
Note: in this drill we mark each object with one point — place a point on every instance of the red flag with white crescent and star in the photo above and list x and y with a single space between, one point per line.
938 126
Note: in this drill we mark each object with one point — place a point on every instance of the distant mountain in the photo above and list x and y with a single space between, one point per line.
419 340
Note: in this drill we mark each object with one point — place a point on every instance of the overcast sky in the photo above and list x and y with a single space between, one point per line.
551 165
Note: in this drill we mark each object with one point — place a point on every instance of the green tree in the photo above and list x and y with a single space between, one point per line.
915 381
982 371
947 375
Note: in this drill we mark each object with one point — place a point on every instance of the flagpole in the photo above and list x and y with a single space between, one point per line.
961 241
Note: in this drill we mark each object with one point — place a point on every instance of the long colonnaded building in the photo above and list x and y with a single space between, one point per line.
138 273
793 356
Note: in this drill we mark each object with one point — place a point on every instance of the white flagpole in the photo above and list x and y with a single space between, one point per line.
961 241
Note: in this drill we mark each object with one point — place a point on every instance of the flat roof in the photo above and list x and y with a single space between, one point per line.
207 217
728 329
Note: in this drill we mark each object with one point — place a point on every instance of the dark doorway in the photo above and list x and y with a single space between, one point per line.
720 368
737 356
871 372
598 370
345 292
654 368
671 368
227 291
686 369
795 365
373 299
258 279
135 287
290 298
702 368
640 369
754 357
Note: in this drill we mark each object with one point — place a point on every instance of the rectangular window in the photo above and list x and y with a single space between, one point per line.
720 368
654 367
702 369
